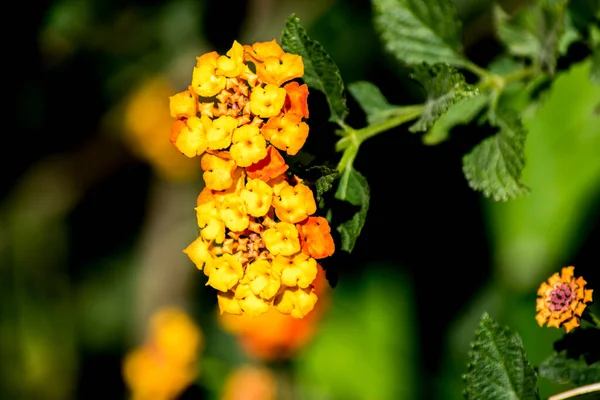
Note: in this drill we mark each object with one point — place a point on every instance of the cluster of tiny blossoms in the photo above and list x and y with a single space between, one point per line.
562 300
259 240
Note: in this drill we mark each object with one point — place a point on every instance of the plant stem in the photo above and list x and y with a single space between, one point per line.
356 136
476 69
594 387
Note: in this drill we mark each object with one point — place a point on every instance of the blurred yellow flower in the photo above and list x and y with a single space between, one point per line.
167 363
562 300
250 383
146 118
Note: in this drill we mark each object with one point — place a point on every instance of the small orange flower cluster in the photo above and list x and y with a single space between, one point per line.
259 240
167 363
562 300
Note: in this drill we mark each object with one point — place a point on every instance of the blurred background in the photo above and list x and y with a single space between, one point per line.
96 207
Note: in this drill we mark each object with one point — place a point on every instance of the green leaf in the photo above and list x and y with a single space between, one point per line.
595 68
495 165
372 101
320 71
444 86
417 31
517 33
326 177
535 32
460 113
561 369
353 188
498 367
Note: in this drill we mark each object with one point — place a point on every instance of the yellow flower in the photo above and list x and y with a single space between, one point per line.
210 223
296 302
264 281
228 303
233 213
171 327
166 364
249 302
225 273
300 270
191 139
219 131
183 104
218 173
198 252
288 132
282 239
273 65
249 146
145 121
294 203
258 196
562 300
267 102
233 64
250 382
204 80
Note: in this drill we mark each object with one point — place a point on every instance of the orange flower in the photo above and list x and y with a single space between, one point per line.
296 100
562 300
315 237
250 383
288 132
269 167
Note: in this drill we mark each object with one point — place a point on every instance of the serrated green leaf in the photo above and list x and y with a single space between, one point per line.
353 188
324 183
444 86
417 31
460 113
495 165
372 101
560 369
498 367
320 71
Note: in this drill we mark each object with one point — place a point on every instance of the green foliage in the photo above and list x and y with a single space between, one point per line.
325 181
420 31
320 71
562 369
354 189
460 113
495 165
535 32
444 86
498 367
372 101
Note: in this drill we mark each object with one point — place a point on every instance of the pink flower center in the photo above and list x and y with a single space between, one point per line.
561 297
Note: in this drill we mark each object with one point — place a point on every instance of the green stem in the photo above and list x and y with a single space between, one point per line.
520 74
477 70
594 387
356 136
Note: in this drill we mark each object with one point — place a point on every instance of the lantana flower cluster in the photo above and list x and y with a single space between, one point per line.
259 239
562 300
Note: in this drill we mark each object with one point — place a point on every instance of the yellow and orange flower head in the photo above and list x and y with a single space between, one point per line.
258 239
562 300
166 364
